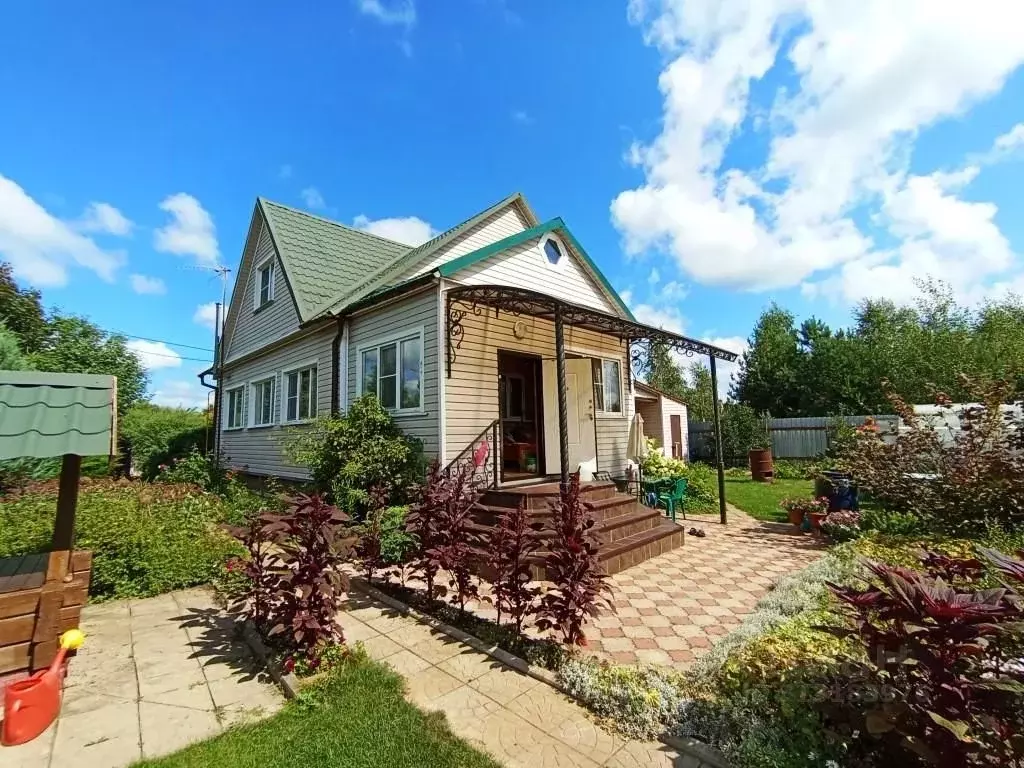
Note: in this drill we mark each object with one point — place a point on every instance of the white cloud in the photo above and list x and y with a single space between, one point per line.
147 285
154 354
105 219
190 232
181 394
654 277
313 199
870 76
666 318
410 230
40 247
726 372
398 13
206 315
1007 144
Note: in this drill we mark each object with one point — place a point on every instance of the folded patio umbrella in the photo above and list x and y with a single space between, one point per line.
636 448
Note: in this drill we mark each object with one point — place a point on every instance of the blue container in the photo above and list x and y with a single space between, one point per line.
839 488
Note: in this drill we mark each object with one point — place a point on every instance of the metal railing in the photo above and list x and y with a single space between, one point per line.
485 473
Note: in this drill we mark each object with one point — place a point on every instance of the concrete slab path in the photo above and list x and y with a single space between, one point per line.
520 721
153 676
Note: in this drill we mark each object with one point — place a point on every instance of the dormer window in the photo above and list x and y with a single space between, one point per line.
552 251
264 284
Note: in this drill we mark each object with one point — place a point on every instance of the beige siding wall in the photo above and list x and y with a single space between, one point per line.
499 225
654 425
407 315
471 394
253 330
668 409
258 450
525 266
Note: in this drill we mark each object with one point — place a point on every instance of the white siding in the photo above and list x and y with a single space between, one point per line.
654 424
259 450
471 394
408 314
525 266
668 409
499 225
255 329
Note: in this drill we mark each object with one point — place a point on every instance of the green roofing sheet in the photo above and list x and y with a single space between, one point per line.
50 414
322 258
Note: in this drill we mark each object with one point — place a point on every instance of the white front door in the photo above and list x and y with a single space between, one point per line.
579 398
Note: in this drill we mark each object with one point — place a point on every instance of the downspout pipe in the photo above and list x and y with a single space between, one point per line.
336 366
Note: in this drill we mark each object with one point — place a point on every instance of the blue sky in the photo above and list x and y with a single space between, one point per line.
710 162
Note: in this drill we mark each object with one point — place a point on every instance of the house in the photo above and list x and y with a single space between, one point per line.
664 419
501 329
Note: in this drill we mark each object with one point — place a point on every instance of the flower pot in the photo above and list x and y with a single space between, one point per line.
816 518
761 470
796 516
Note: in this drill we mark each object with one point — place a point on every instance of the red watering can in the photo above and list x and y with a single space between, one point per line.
31 705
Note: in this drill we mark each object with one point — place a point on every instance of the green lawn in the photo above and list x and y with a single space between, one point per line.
761 500
357 718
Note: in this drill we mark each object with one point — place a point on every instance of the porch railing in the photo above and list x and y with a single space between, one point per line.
484 461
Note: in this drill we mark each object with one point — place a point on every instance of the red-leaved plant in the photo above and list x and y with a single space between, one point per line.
579 585
511 544
295 560
457 548
423 523
948 658
368 549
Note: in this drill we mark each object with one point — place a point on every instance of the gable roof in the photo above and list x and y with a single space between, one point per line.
322 258
398 269
655 391
449 268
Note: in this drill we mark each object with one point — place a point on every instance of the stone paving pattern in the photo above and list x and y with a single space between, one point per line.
672 608
153 676
520 721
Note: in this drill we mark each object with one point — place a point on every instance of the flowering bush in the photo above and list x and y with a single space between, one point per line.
842 525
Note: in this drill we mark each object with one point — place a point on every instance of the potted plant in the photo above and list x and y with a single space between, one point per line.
796 509
818 511
812 510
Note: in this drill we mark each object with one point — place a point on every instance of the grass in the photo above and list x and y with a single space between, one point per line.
356 718
761 500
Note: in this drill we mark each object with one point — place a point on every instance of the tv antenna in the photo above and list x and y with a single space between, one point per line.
223 271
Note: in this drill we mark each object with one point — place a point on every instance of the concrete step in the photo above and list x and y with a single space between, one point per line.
635 549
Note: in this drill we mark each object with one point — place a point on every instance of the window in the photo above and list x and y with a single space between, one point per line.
552 251
235 410
263 402
394 372
607 386
264 284
300 394
513 405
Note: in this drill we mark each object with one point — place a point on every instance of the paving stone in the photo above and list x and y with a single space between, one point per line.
380 647
429 684
406 663
355 630
167 729
547 709
34 754
516 743
504 684
652 754
412 634
468 665
107 737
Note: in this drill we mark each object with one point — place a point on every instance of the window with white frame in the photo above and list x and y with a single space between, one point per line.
264 283
607 386
300 394
393 371
263 402
234 411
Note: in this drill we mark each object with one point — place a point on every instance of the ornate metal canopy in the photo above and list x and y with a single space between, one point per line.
519 301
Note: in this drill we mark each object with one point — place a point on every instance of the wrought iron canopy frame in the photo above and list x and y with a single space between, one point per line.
520 301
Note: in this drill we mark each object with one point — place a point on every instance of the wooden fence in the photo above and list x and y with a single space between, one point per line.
797 438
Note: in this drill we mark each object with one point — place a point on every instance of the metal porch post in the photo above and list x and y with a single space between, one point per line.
563 408
718 441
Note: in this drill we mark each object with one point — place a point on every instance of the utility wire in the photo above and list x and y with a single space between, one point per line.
159 341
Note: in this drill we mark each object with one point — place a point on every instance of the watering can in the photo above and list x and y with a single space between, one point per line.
31 705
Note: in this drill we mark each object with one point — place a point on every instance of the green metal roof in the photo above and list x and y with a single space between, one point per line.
50 414
449 268
390 274
323 259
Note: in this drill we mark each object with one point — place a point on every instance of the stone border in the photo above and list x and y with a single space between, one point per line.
288 682
687 746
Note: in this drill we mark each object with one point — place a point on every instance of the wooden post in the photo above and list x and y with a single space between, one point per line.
718 441
67 501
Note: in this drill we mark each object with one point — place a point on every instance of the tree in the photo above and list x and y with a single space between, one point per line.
11 358
75 345
665 373
769 375
699 395
22 312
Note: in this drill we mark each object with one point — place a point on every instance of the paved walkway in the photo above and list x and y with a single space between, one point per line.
517 719
672 608
153 676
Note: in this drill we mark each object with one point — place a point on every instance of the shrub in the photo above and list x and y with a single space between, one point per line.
842 525
510 547
579 586
956 482
891 523
146 538
423 524
297 581
656 464
945 655
347 455
155 435
701 480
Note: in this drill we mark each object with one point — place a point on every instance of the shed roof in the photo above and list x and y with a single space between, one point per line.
51 414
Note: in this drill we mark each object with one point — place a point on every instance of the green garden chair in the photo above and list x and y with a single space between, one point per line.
673 498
